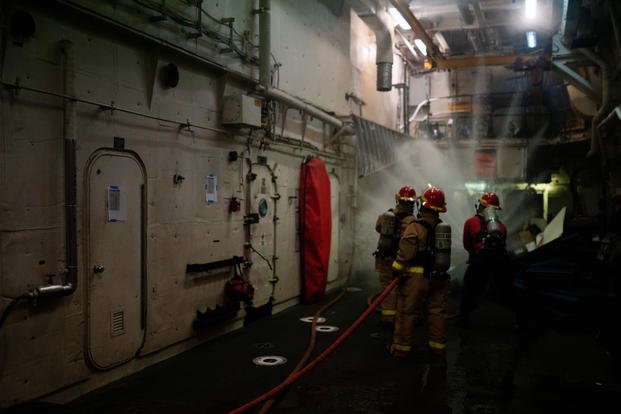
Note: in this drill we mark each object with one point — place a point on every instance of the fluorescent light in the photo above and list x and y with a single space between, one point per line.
531 39
421 46
476 187
398 18
530 9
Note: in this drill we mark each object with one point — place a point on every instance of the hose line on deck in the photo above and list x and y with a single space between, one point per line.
313 339
295 376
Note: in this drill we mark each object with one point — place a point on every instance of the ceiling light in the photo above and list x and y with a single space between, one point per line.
421 46
531 39
398 18
530 9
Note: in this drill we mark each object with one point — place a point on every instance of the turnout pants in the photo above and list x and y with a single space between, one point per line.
388 307
419 297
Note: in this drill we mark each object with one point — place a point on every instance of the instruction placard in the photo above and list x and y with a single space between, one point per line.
116 204
211 189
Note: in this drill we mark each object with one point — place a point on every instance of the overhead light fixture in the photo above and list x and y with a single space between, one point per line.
530 9
531 39
421 46
398 18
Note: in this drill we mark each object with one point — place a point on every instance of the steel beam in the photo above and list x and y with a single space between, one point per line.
482 60
576 80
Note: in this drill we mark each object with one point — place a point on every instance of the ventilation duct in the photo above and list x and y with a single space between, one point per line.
374 18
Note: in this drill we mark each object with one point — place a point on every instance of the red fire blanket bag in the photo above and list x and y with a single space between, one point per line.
315 228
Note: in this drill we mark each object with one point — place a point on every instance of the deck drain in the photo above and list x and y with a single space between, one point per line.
309 319
353 289
326 328
269 360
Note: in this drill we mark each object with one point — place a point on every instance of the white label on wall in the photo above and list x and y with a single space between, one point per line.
117 204
211 189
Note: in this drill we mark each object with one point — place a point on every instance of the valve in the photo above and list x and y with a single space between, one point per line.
234 205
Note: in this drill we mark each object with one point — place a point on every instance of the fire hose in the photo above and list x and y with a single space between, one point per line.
307 368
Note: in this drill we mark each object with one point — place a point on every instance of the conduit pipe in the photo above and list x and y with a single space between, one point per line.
70 282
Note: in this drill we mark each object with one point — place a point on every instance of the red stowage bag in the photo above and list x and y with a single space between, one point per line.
315 228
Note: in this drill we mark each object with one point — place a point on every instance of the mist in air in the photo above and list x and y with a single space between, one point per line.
424 163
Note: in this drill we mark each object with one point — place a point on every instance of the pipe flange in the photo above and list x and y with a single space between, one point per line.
326 328
270 360
309 319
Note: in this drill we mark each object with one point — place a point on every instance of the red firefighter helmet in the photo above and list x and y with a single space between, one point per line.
406 193
490 199
433 198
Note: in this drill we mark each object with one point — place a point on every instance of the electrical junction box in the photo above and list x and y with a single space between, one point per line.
241 110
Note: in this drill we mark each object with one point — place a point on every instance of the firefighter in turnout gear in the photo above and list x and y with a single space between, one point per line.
484 239
423 290
390 225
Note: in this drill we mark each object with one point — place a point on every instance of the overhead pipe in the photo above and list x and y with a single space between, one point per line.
297 103
265 85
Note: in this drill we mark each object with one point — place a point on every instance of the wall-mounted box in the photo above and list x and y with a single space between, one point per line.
241 110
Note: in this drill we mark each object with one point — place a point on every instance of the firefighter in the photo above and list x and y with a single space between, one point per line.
390 226
422 292
484 239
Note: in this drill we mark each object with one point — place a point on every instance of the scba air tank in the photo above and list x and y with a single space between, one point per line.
386 242
442 257
491 220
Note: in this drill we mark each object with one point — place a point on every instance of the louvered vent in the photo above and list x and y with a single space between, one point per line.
117 323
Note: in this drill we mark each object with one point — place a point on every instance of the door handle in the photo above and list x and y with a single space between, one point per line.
98 269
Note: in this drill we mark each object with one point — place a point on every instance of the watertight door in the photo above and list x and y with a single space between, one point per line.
263 203
114 263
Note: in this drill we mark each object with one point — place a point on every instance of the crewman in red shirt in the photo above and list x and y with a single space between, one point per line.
484 239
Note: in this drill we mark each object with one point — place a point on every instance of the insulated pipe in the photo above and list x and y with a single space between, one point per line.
419 106
296 103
